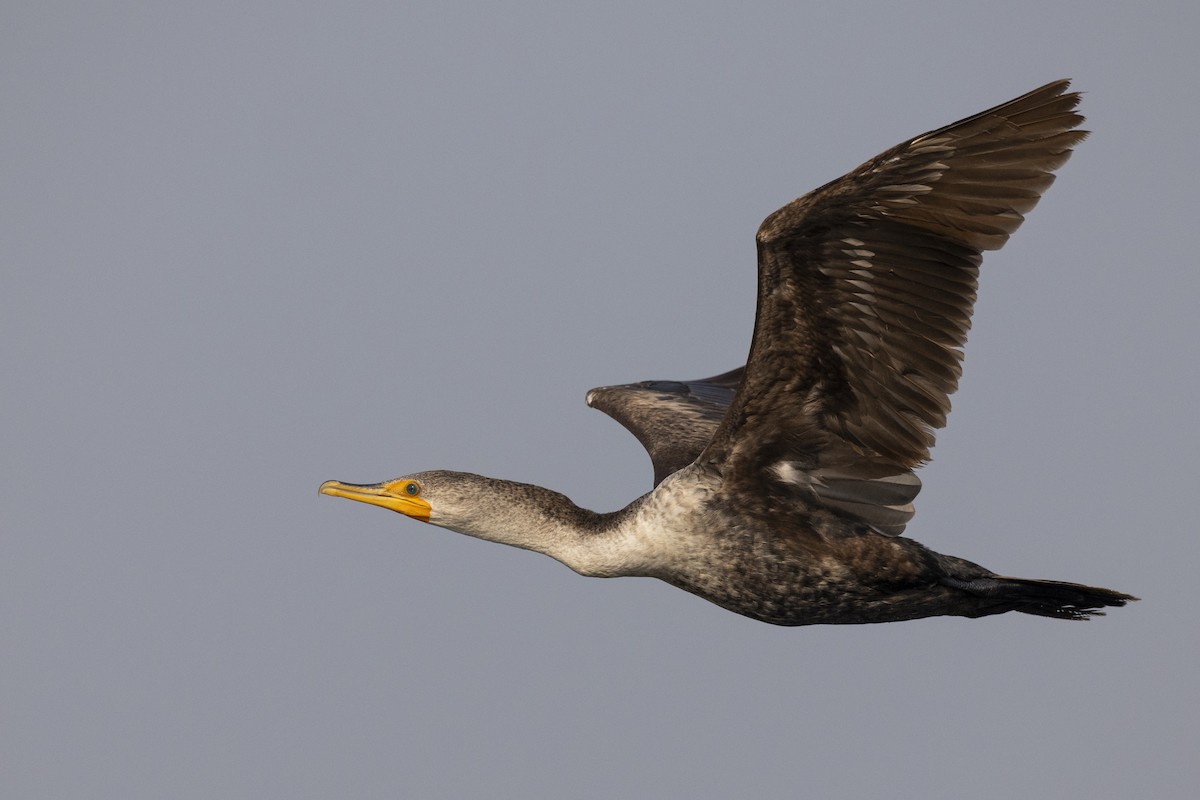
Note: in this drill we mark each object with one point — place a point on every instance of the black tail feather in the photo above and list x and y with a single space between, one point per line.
1044 598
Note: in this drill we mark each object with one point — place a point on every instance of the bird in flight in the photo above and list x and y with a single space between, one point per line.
782 488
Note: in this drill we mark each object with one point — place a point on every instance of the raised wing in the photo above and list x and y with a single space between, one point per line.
866 288
674 420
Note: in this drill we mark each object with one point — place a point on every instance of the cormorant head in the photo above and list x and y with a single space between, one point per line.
449 499
403 495
517 514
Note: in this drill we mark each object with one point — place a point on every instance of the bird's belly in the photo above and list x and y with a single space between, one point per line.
785 582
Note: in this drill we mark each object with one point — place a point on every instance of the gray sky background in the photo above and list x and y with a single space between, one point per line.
247 247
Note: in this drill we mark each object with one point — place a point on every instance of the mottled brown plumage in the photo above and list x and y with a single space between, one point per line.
781 487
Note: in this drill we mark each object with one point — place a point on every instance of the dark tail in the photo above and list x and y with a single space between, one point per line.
1044 598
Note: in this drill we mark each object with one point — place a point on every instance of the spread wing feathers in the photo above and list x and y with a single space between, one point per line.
866 288
872 490
674 420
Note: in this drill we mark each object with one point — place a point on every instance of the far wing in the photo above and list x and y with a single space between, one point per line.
674 420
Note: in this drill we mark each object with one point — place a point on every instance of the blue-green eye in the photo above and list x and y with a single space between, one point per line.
412 488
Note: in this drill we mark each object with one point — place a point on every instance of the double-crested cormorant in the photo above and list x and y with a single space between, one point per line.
781 487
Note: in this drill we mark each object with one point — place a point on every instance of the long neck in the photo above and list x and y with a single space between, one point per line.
538 519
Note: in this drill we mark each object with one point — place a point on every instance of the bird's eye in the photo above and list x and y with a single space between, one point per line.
412 488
